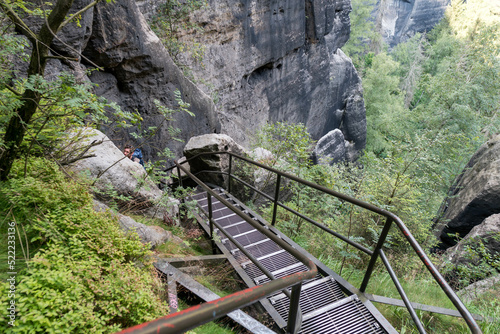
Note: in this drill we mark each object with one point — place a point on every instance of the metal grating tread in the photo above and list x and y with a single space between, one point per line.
314 296
325 307
350 317
273 263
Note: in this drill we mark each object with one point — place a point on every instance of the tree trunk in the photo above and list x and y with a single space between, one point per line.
16 129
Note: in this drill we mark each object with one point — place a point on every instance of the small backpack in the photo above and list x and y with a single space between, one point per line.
138 154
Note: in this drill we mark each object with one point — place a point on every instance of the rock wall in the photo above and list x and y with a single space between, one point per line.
264 61
134 70
474 196
138 70
398 20
268 61
486 234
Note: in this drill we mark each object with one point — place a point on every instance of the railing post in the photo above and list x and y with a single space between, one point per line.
182 201
179 176
229 173
373 260
276 197
210 223
295 315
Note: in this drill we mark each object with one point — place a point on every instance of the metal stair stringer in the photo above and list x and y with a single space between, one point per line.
280 322
323 299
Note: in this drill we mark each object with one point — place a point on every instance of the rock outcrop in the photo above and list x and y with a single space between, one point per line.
398 20
280 61
263 62
479 289
483 240
134 70
212 162
139 70
474 196
330 148
152 235
113 173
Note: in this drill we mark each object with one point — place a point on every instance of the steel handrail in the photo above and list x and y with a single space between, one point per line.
391 218
182 321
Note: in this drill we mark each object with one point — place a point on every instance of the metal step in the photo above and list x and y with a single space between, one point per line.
324 305
244 264
346 316
307 286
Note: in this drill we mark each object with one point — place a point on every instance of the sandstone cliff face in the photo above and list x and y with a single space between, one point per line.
134 70
269 61
474 197
398 20
138 70
266 61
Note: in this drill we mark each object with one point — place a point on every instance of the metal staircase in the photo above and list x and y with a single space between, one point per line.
300 293
325 307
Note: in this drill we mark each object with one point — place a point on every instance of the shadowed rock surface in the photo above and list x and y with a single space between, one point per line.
474 196
138 70
487 233
398 20
280 61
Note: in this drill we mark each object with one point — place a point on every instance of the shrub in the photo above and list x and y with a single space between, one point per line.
88 277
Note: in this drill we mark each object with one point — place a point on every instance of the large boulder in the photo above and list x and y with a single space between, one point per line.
152 235
482 244
480 288
330 148
213 162
113 174
474 196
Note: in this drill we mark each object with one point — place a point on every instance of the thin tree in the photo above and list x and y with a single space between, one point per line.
40 43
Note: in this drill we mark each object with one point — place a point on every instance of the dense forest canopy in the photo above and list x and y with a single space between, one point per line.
430 103
434 98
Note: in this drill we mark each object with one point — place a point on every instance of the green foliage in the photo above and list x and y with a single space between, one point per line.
363 37
396 183
410 56
291 147
289 143
172 21
87 277
384 103
488 305
64 104
9 45
16 117
40 196
437 94
443 86
430 102
477 261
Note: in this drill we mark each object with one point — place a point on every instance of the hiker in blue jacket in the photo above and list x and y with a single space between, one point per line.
135 156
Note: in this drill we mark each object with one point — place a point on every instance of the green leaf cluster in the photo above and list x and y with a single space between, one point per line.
288 142
64 105
172 21
86 275
363 38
